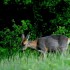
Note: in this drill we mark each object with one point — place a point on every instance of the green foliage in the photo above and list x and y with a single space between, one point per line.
27 26
11 39
27 1
6 2
68 1
49 2
62 30
48 15
18 1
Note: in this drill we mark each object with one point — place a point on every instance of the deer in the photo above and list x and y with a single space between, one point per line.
48 43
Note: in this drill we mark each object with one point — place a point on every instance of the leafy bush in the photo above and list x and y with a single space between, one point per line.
62 30
11 39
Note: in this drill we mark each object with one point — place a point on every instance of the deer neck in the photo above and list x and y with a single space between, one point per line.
32 44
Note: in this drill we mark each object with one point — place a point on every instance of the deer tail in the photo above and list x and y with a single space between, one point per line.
68 40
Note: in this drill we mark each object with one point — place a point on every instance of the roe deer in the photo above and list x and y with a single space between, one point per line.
47 43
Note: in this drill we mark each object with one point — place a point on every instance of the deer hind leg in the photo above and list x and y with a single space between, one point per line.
63 45
62 50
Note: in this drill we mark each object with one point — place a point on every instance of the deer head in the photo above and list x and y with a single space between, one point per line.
25 41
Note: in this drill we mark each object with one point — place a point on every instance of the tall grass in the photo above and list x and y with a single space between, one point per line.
33 62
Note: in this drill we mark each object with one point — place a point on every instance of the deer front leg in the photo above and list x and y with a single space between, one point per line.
43 54
24 48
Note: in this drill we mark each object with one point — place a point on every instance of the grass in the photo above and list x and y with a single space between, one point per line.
32 62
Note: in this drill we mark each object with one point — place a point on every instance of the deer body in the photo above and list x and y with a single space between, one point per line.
47 43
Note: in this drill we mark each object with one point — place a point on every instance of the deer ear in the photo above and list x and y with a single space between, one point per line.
23 36
27 37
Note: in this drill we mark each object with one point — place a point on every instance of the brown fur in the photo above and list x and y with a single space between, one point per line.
33 44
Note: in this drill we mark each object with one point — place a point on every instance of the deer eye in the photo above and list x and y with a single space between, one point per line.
22 44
